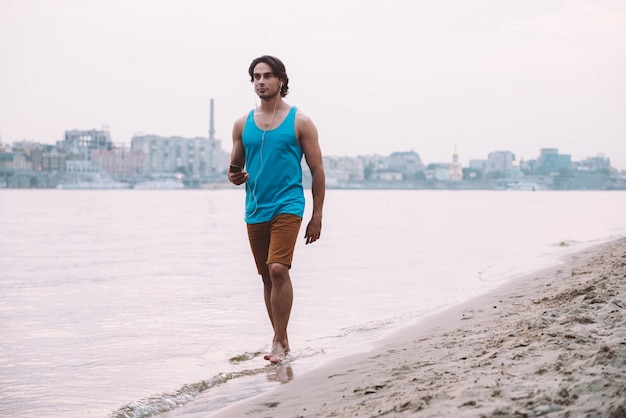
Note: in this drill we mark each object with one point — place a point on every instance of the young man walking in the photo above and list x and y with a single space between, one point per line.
268 145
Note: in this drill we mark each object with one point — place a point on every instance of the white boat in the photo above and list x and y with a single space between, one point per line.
90 181
160 185
524 185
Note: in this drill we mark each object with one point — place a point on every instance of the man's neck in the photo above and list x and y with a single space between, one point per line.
271 104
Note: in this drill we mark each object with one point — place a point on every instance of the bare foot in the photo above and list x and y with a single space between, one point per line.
277 354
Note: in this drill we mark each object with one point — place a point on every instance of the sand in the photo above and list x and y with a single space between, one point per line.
550 344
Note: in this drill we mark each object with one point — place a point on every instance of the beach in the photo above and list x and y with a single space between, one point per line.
552 343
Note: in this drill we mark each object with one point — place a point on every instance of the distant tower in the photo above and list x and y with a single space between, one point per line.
211 126
456 172
214 147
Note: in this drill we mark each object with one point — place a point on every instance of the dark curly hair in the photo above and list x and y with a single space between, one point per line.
278 68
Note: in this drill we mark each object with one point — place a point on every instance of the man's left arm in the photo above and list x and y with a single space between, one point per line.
309 142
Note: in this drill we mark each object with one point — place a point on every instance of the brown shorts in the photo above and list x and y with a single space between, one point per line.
274 241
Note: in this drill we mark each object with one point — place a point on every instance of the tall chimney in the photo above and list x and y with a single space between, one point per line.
211 128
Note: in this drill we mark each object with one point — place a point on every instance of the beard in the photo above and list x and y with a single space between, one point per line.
268 95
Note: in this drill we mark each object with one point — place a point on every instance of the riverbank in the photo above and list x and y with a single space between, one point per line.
553 342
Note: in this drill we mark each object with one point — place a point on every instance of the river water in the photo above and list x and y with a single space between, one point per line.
131 303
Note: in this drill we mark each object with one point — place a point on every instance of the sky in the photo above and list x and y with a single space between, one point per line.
375 76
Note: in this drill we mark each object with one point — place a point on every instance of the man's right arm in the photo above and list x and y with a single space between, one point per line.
238 154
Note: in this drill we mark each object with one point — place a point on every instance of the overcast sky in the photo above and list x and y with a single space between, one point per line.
375 76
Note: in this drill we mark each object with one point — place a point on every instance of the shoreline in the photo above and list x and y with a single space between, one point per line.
551 342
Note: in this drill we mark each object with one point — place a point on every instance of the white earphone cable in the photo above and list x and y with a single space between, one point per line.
265 129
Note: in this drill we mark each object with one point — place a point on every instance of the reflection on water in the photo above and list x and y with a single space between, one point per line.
281 373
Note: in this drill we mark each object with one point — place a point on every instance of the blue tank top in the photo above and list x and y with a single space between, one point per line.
274 166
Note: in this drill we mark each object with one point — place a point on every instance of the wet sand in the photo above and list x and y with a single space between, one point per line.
550 344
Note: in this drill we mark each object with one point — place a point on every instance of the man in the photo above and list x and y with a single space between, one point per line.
268 145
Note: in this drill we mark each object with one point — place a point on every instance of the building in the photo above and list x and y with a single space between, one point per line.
599 162
53 161
478 165
82 167
6 161
195 158
119 162
16 161
407 162
499 163
438 171
456 171
343 169
550 161
78 145
47 158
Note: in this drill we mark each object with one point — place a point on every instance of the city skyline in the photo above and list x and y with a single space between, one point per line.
375 77
454 154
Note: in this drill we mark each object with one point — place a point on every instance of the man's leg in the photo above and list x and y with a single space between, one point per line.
284 233
267 295
259 236
272 245
281 300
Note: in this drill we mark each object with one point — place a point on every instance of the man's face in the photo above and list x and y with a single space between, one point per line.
266 84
